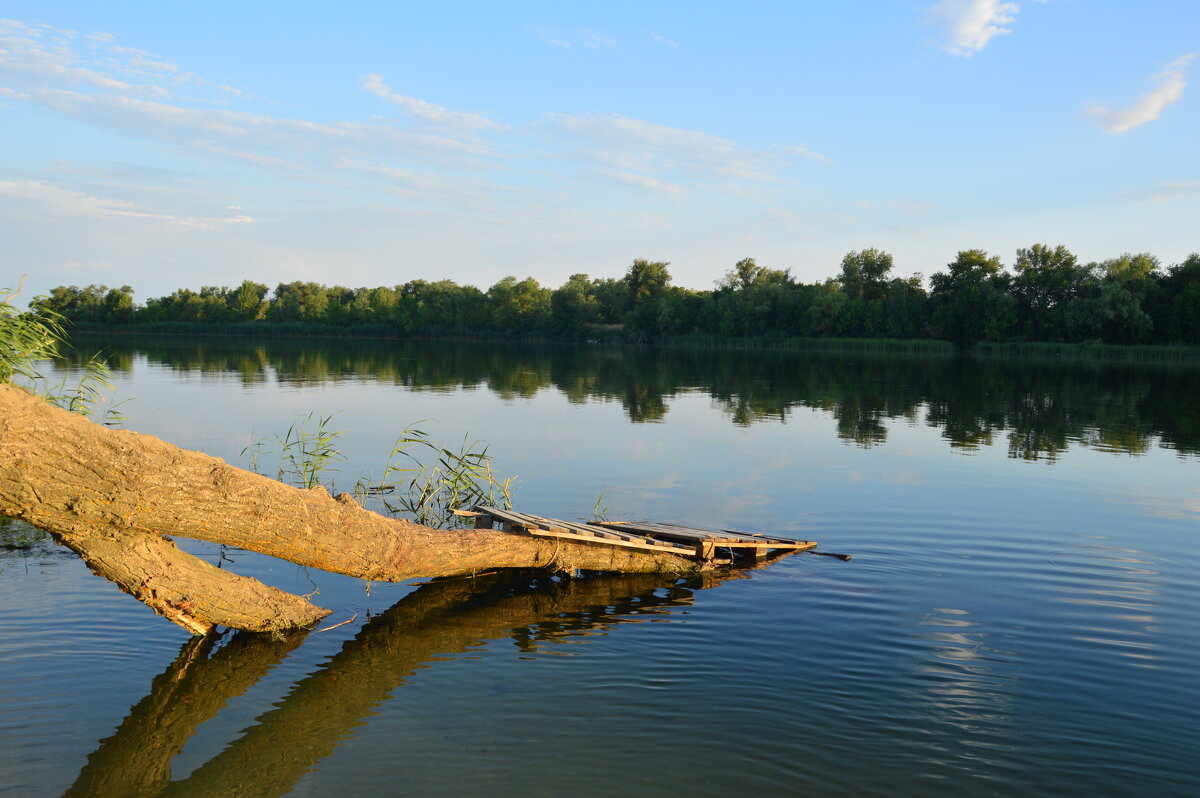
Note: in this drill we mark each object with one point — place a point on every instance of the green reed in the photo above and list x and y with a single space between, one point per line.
29 339
430 490
422 480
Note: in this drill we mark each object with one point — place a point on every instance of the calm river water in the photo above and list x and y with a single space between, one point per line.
1020 616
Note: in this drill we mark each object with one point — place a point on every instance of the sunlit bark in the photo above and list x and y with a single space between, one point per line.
115 496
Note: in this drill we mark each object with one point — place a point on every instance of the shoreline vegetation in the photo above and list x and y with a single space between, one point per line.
1023 350
1049 305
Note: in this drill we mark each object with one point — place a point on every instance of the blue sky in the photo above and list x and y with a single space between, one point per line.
167 145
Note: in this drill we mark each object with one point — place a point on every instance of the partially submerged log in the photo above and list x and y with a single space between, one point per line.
117 497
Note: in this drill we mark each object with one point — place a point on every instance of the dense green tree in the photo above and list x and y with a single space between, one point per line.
1181 287
77 304
831 312
864 274
574 305
646 280
520 306
906 308
971 302
647 283
1126 299
612 299
299 301
1046 282
247 302
118 305
753 300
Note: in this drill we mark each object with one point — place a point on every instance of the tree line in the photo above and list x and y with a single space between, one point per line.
1047 295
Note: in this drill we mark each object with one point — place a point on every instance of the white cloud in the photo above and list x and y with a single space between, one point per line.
1150 105
1170 191
25 61
220 130
658 37
596 40
634 144
591 39
66 202
643 181
804 152
970 24
427 110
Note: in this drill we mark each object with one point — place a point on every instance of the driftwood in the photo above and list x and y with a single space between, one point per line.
117 498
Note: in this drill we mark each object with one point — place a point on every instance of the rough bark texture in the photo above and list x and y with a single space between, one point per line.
112 496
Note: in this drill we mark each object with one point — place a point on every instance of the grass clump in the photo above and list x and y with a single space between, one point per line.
430 490
29 339
423 480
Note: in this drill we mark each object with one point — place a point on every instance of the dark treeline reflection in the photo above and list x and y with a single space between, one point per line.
320 710
1036 409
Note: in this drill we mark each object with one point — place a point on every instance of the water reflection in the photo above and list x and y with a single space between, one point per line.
440 618
1037 410
1117 593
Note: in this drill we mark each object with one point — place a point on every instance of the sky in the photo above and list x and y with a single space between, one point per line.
179 145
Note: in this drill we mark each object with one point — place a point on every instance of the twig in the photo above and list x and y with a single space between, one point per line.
336 625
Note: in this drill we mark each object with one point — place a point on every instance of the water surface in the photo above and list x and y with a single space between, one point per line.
1019 616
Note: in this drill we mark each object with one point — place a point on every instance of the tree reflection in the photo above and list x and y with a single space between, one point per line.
440 618
1038 409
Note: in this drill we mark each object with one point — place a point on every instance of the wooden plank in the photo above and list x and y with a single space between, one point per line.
601 531
527 520
726 537
533 524
753 537
677 533
683 551
508 516
676 538
753 552
583 529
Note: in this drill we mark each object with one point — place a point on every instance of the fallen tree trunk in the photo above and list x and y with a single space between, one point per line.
116 497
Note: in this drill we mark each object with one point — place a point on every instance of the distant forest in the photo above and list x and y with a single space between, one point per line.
1046 296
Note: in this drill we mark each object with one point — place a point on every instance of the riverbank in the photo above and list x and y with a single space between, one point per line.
1017 350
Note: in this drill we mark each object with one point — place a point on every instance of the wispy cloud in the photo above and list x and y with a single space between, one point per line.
968 25
424 170
1170 191
41 56
803 152
595 39
658 37
637 146
591 39
65 202
427 110
1148 107
643 181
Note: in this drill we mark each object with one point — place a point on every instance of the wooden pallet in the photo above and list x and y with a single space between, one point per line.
693 542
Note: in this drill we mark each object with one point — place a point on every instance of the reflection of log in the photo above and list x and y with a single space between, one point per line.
112 495
135 761
311 721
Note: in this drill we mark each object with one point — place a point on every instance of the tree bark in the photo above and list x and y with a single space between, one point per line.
116 497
